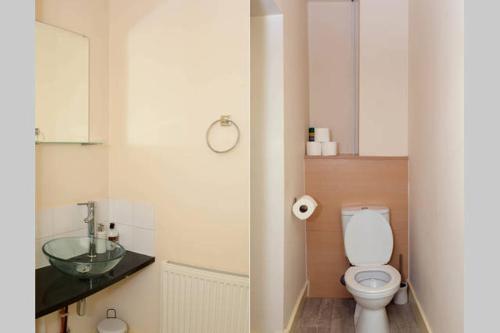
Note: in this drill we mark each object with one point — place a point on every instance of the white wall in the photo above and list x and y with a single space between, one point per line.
383 78
332 90
436 156
267 174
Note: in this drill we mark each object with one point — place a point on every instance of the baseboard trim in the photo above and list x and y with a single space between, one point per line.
297 309
422 321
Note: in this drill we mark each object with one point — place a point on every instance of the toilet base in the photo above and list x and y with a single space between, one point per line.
371 321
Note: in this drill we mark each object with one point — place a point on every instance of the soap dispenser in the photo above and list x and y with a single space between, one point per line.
101 237
113 236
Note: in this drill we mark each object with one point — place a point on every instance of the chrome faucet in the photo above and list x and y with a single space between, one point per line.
91 225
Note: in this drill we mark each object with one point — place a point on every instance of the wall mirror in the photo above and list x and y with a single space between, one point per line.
61 86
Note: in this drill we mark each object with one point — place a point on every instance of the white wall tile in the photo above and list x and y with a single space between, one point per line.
40 258
83 232
62 219
44 223
143 215
69 218
144 241
135 223
126 234
80 212
120 211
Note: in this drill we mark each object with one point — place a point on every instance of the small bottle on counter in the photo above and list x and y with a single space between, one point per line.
113 236
100 242
311 134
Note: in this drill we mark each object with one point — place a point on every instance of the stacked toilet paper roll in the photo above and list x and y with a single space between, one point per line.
328 148
321 144
304 207
321 134
313 148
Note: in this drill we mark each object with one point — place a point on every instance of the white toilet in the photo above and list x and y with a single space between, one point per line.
368 244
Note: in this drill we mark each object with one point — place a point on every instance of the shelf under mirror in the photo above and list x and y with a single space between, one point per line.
89 143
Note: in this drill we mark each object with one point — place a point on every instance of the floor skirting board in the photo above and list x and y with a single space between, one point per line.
417 310
297 309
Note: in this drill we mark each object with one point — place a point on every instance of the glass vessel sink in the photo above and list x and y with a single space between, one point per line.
77 256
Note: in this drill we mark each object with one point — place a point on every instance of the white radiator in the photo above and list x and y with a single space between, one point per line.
196 300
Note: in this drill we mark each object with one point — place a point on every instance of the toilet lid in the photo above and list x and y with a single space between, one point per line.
368 239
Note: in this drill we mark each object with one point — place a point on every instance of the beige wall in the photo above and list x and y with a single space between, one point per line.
383 74
267 174
175 67
383 78
332 89
436 139
284 250
296 123
64 172
67 174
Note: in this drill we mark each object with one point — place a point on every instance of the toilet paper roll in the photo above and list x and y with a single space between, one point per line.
322 134
328 148
304 207
313 148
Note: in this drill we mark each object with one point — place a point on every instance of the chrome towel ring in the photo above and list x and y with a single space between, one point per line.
225 120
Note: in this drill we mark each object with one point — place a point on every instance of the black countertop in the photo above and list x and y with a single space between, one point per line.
55 290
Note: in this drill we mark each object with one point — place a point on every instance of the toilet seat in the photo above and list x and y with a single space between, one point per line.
368 239
372 281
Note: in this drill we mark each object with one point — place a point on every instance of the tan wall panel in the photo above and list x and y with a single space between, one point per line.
335 182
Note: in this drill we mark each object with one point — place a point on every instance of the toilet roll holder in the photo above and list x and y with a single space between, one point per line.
302 208
224 120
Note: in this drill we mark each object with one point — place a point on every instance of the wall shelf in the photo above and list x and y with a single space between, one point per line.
90 143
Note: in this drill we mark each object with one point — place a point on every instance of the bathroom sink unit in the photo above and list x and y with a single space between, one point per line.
77 256
55 290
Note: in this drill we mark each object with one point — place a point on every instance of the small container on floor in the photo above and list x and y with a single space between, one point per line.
401 296
112 324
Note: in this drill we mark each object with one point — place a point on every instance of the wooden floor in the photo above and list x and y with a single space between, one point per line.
328 315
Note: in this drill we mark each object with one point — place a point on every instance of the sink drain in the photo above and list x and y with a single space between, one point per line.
83 268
